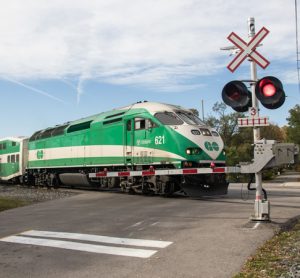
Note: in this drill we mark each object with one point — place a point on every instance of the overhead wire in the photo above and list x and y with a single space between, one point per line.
297 45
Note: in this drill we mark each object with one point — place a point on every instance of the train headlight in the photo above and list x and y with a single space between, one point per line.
193 151
196 151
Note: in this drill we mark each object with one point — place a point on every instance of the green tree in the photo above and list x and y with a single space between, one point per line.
194 111
224 123
237 141
273 132
293 129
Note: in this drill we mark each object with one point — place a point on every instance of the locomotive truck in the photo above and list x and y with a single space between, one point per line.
141 138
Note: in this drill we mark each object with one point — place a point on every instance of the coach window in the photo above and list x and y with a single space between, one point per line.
139 123
17 158
8 159
13 144
13 159
4 146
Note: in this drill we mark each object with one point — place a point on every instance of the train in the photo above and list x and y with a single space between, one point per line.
142 136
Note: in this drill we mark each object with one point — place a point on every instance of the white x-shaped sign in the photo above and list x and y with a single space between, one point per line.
248 49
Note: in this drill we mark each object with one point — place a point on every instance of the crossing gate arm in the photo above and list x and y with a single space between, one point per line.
170 172
269 154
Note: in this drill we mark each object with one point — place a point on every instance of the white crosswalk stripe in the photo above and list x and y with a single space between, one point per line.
45 238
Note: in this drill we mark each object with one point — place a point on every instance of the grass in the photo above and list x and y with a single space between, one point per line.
9 203
275 257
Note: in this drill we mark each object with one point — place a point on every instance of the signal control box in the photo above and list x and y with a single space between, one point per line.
269 153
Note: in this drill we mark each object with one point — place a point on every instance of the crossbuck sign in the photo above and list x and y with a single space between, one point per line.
248 49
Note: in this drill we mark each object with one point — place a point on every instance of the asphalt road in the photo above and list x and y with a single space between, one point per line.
209 237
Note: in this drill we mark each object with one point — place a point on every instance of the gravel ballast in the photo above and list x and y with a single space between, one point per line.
33 194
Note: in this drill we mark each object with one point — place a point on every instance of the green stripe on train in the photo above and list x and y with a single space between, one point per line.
102 161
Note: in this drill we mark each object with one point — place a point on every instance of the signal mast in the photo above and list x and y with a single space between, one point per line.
268 90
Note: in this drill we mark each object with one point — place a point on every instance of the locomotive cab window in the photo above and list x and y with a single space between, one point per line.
142 123
139 123
189 118
150 124
168 118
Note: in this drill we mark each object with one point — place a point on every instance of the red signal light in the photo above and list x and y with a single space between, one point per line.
270 92
267 87
236 95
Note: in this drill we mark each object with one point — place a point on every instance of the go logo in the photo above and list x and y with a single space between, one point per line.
40 154
211 146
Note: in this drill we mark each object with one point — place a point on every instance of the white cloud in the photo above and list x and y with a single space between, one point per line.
159 43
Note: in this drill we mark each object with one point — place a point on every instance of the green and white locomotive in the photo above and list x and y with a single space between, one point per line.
139 137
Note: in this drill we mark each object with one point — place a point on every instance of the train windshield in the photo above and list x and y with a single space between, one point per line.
189 118
168 118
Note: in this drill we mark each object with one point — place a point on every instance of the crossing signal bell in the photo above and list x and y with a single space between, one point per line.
268 90
236 95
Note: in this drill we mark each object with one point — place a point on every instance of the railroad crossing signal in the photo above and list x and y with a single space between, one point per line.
236 95
268 90
248 49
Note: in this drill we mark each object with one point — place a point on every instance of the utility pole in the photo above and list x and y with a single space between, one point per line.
202 108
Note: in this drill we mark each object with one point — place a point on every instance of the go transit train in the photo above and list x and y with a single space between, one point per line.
130 142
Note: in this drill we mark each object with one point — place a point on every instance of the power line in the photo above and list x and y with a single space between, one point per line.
297 45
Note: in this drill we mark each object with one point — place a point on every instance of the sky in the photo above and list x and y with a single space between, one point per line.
64 60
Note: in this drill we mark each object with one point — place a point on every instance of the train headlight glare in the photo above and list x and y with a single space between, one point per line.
188 151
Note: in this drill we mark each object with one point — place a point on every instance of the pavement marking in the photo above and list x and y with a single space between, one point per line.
103 239
256 225
100 249
287 184
45 238
137 224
